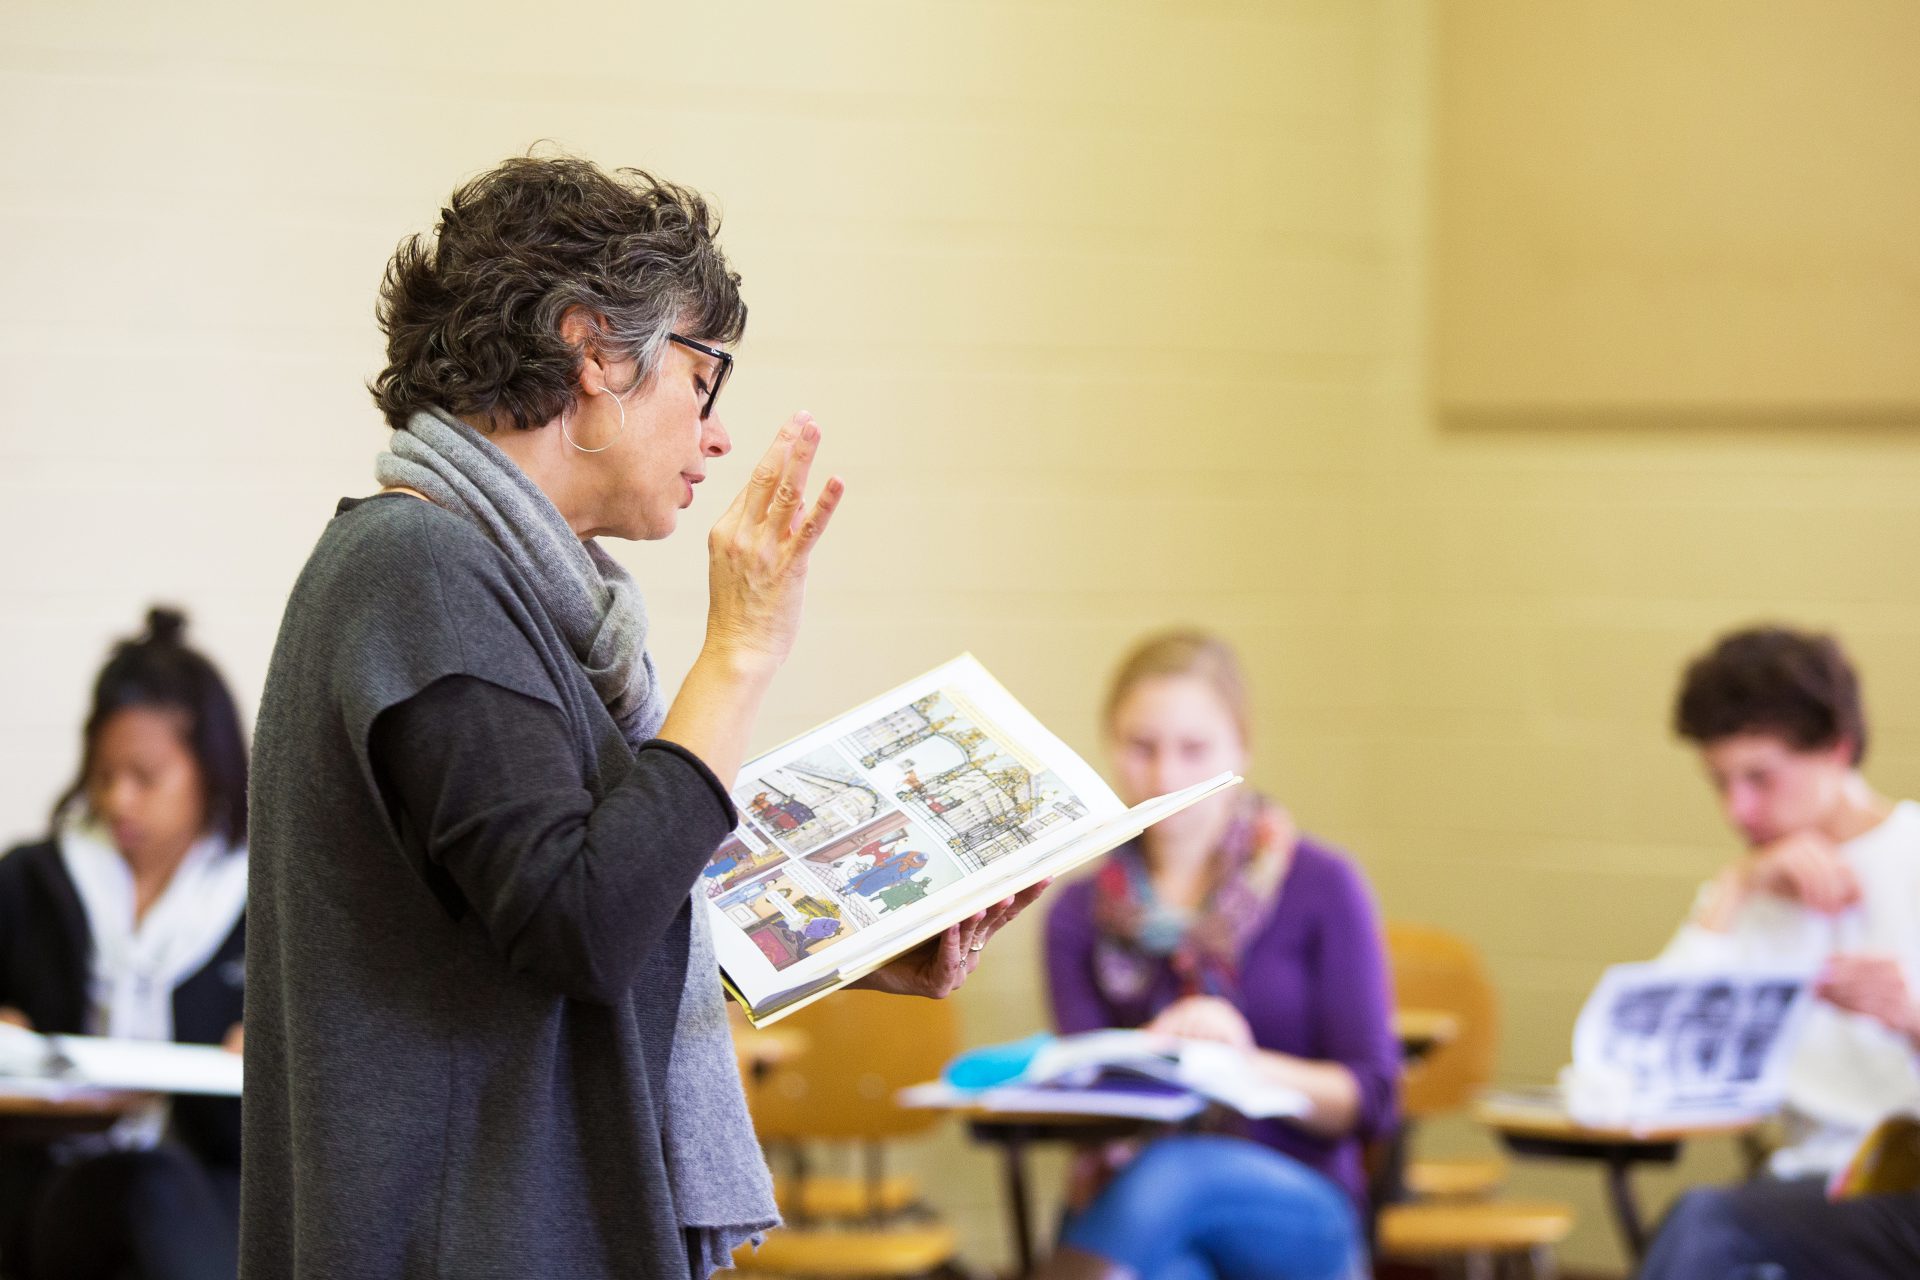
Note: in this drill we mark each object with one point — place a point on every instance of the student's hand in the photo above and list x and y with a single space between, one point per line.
235 1040
1872 983
14 1018
1204 1018
938 966
1805 868
757 553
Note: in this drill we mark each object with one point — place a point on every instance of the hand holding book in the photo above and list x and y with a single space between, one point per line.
938 966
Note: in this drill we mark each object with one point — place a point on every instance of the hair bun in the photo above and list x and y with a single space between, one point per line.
165 625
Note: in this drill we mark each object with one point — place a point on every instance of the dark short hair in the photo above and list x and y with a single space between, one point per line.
1796 685
160 672
472 312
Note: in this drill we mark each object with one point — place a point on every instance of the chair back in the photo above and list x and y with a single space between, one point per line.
1434 969
1887 1163
861 1048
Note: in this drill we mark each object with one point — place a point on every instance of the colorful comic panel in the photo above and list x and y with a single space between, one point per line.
935 759
887 864
784 918
809 800
741 856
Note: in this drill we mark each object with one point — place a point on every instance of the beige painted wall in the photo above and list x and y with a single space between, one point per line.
1677 207
1115 316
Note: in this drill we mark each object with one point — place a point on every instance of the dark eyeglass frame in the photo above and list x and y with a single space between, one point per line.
719 379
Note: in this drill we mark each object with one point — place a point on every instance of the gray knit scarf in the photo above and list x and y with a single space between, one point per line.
721 1187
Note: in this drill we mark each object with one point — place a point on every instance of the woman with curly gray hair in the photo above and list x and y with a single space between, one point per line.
486 1035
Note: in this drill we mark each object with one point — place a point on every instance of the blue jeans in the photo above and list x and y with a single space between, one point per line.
1214 1208
1769 1230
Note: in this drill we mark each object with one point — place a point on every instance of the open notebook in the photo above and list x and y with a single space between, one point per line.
876 831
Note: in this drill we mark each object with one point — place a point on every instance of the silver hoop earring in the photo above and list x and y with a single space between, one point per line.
616 435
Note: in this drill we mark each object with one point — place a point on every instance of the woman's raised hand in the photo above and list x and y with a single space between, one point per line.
757 552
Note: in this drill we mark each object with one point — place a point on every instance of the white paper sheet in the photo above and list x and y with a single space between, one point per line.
54 1065
1656 1045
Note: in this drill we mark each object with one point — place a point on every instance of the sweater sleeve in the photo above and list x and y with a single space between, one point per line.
485 790
1355 998
1076 1000
1767 932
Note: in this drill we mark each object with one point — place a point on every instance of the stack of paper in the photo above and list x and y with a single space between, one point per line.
55 1065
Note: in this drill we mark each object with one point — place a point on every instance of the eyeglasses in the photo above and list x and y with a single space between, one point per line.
719 379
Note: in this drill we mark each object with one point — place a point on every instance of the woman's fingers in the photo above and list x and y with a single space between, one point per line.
771 467
778 488
784 501
1006 911
955 945
815 524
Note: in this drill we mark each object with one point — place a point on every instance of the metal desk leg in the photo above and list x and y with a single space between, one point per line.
1014 1163
1626 1209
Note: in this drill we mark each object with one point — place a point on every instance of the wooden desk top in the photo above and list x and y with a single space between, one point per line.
1545 1117
92 1103
30 1119
976 1114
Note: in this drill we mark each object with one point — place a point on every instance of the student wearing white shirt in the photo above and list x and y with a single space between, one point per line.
129 921
1830 883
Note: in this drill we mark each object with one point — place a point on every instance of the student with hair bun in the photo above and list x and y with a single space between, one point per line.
128 920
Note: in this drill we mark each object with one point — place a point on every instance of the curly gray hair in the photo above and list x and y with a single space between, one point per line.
472 312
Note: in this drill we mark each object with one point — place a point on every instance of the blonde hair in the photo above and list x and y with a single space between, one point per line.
1184 652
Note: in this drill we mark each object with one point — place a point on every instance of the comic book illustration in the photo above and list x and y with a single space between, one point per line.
875 831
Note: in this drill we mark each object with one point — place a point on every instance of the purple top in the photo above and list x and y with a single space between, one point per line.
1314 984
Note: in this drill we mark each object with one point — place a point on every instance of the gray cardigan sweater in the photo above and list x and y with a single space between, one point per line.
455 1048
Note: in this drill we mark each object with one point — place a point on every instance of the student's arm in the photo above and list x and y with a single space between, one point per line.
1354 1088
1072 994
9 886
1804 868
1873 983
1357 1087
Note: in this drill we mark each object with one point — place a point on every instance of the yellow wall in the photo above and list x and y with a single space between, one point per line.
1677 207
1535 586
1115 316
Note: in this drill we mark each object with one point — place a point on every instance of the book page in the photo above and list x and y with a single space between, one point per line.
852 835
1657 1044
58 1065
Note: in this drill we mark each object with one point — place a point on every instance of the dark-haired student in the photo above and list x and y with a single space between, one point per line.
1829 882
128 920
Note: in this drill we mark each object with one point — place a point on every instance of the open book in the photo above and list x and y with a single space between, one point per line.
876 831
1126 1073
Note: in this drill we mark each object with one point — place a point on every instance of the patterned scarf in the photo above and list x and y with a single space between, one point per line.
1139 933
721 1187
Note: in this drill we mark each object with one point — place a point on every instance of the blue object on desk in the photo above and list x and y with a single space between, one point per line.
996 1064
